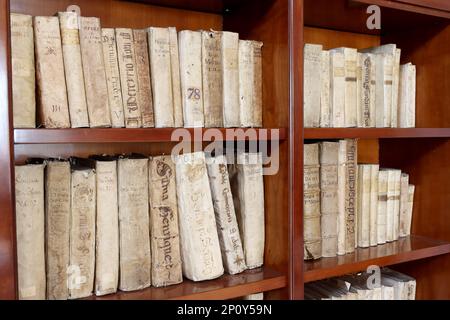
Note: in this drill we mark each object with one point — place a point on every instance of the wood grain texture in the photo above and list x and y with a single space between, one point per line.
437 8
334 39
436 4
376 133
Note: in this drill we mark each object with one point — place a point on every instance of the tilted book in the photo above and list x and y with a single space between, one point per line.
29 191
404 193
134 228
51 82
94 72
176 80
227 226
409 213
73 69
325 108
57 227
23 72
164 233
230 74
312 57
200 249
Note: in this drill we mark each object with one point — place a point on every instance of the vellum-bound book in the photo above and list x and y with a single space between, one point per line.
74 69
404 192
364 196
230 74
23 72
134 228
393 204
312 84
82 229
337 89
383 177
176 81
257 84
366 102
94 72
407 96
408 224
164 233
200 248
57 220
255 296
107 232
342 169
325 108
351 208
51 82
29 190
374 204
248 194
227 226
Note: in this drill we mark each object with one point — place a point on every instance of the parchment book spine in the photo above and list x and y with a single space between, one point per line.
404 190
73 69
134 228
325 109
342 169
407 96
57 221
52 92
113 77
143 75
176 80
351 195
128 78
29 190
364 205
200 248
107 233
227 226
383 178
397 190
190 43
23 72
162 77
248 195
212 78
337 89
246 82
312 84
257 85
165 238
374 204
411 189
230 74
94 72
82 233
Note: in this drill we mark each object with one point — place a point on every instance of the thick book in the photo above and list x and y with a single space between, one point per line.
51 82
162 77
212 79
200 249
325 107
134 225
164 233
329 156
94 72
176 80
23 72
337 89
366 102
107 227
407 96
190 44
373 239
113 77
383 177
342 170
57 227
312 57
230 79
351 194
73 69
29 191
128 77
227 225
311 207
145 96
247 186
364 184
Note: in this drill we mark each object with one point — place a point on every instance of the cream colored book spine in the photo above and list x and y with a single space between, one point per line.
81 270
107 232
57 227
312 57
190 43
29 191
73 69
329 197
255 296
392 209
382 108
176 80
383 178
164 233
342 167
128 78
359 89
257 84
408 224
407 96
367 96
161 75
227 226
397 191
364 205
246 82
110 58
200 249
311 207
404 189
145 95
230 74
395 87
374 204
351 195
23 71
387 80
51 82
94 72
134 225
337 89
325 108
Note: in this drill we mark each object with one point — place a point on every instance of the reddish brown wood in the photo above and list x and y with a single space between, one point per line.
436 4
369 133
226 287
214 6
7 204
405 249
436 8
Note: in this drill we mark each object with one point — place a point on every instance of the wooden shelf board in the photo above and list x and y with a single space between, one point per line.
404 250
111 135
226 287
373 133
212 6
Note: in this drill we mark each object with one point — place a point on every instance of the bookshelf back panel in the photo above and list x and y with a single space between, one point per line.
333 39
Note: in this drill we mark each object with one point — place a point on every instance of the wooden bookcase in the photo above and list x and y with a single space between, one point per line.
419 27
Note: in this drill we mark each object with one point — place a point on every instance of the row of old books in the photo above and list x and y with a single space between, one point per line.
89 76
347 205
391 285
107 223
346 87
